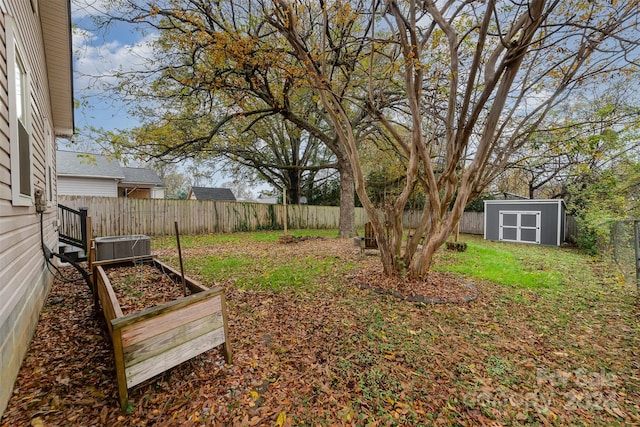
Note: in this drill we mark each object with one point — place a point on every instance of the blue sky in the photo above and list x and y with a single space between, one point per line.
98 55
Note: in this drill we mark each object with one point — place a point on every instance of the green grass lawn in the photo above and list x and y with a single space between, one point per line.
250 270
519 265
553 337
205 240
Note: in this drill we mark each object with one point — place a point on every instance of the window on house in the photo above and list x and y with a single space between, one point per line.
49 146
24 146
19 119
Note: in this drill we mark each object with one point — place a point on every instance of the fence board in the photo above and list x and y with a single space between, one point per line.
113 216
571 229
470 222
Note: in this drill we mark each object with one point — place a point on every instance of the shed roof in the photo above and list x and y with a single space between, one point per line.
87 165
525 201
212 193
143 176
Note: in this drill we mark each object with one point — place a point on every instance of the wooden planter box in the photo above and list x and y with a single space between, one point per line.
151 341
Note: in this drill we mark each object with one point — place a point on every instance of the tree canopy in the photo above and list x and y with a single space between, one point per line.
585 135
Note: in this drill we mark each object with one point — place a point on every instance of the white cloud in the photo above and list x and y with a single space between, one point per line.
97 61
535 99
101 53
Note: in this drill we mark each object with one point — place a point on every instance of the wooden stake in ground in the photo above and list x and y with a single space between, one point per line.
184 282
284 208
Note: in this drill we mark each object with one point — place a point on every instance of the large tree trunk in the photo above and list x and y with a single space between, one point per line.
294 187
347 200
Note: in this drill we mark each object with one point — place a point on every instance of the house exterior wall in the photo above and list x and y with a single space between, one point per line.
24 279
80 186
551 218
157 193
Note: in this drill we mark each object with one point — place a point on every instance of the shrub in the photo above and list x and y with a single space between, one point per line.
457 246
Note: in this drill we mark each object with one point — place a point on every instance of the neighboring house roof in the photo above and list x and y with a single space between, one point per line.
509 196
55 18
87 165
267 200
141 176
210 193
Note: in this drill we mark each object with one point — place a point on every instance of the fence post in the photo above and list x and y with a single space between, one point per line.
636 232
83 227
614 240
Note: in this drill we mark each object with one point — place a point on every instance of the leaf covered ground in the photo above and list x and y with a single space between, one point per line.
312 346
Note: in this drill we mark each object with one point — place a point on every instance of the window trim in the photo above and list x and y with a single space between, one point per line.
49 146
15 51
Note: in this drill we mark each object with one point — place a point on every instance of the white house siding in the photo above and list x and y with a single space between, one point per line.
157 193
80 186
24 279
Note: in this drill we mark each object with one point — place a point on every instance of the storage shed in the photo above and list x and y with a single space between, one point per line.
534 221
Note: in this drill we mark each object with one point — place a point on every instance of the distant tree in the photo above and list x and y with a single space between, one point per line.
325 192
584 135
240 189
603 196
180 194
177 185
275 151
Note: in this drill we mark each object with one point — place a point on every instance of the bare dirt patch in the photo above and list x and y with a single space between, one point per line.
436 288
142 286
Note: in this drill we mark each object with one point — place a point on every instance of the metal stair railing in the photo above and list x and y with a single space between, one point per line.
72 229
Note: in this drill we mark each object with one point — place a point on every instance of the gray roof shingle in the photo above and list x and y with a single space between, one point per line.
210 193
87 165
141 176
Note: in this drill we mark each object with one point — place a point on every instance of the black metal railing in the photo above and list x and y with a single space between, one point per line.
72 229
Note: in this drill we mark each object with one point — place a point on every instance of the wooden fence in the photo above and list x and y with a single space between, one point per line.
117 216
470 223
571 229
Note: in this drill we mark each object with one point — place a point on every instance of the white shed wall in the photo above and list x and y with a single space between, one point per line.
77 186
157 193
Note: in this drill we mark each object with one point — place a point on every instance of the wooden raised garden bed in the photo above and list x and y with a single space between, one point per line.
152 340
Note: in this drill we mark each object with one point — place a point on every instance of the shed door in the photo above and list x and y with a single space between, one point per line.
520 226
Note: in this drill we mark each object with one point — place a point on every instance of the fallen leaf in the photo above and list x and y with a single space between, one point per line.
63 381
282 418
